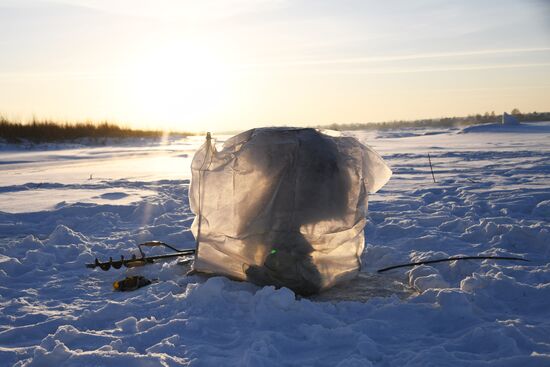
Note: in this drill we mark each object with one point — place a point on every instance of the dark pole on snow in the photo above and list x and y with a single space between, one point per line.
431 168
453 258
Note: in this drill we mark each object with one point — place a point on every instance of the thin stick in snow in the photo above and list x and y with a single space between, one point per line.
431 168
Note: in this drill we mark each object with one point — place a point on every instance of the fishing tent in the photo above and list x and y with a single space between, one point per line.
283 206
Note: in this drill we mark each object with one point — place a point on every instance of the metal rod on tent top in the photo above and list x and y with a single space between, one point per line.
431 168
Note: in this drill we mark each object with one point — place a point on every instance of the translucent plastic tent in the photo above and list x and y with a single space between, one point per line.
283 206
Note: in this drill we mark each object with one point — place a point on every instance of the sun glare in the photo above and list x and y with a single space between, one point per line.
181 86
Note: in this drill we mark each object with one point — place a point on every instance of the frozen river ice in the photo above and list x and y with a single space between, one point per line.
61 206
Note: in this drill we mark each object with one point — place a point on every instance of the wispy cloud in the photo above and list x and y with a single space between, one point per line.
418 56
436 69
172 9
71 75
68 75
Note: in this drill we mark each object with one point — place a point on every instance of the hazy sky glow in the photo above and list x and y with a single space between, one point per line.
235 64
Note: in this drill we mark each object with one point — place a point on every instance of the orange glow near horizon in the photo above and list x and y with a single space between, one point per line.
236 64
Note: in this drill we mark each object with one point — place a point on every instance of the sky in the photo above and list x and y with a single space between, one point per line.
235 64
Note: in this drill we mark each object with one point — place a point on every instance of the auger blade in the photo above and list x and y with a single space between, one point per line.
139 261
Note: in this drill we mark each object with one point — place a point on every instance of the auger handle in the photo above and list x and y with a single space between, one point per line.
154 244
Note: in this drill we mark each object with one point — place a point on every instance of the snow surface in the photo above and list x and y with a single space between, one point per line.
60 208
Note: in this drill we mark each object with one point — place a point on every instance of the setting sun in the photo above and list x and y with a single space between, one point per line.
226 66
180 84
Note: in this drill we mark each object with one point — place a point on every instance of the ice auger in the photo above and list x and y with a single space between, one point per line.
143 259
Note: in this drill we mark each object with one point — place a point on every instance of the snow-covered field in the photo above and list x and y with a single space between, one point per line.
60 208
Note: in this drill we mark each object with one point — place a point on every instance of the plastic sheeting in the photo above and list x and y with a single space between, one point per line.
283 207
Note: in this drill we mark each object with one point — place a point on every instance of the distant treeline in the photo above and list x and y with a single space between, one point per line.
45 131
487 117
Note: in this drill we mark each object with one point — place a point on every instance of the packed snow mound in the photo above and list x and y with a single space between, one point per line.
284 207
409 132
526 127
